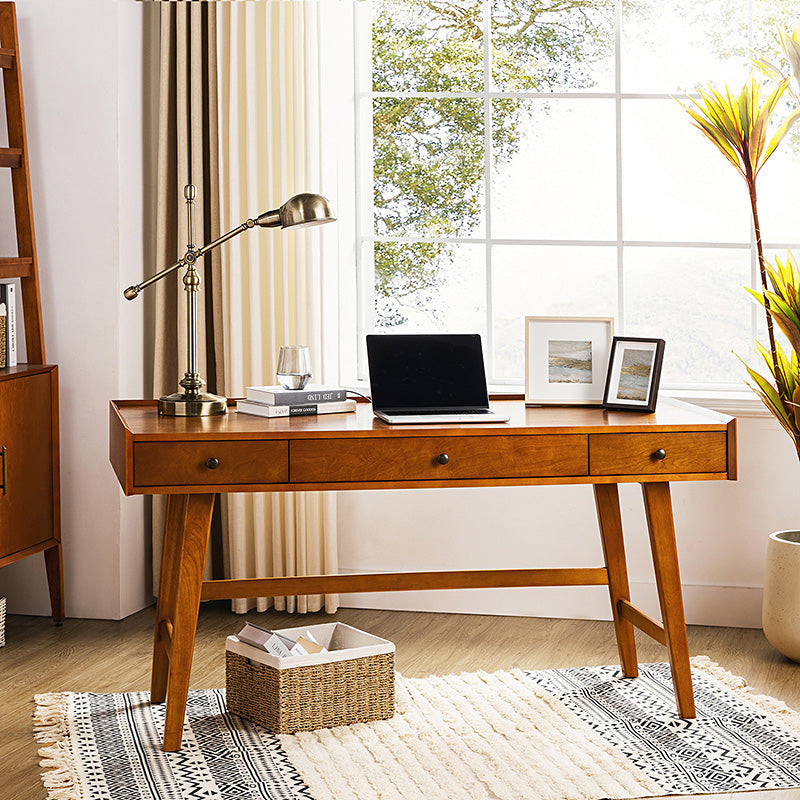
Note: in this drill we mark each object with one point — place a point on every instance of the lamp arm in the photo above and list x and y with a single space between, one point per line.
225 236
133 291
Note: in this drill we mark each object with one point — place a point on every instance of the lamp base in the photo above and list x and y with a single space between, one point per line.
196 404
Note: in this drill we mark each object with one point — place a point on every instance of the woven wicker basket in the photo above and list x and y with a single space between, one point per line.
316 696
351 681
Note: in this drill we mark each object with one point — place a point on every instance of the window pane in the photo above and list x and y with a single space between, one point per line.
545 281
676 185
779 193
561 47
695 300
768 17
427 45
426 288
554 169
677 46
428 167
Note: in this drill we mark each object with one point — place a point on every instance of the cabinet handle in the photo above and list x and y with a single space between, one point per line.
4 455
212 463
660 454
443 458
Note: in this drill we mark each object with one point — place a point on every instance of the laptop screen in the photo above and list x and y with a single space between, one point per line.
426 371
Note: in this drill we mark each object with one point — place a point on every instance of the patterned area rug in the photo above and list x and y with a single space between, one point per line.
566 734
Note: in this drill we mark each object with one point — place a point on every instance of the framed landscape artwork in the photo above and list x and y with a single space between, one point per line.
566 359
634 373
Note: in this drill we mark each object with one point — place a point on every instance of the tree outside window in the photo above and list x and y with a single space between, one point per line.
530 158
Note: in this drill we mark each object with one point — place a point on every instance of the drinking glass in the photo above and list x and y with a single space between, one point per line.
294 366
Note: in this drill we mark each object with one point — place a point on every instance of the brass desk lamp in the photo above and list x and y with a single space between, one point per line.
302 210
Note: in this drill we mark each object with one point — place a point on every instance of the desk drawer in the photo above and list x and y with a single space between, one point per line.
638 453
192 463
414 459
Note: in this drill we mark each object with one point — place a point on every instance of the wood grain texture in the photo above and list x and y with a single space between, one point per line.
187 463
470 457
634 454
658 510
644 622
11 157
403 581
21 186
733 456
609 518
26 507
14 267
111 656
355 449
145 424
187 523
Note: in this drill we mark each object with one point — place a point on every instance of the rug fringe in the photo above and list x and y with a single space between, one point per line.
786 715
51 729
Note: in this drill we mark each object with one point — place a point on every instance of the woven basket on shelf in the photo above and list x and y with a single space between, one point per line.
310 697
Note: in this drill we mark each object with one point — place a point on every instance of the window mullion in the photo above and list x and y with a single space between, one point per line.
618 156
487 179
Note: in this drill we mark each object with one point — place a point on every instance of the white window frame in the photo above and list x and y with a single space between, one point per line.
356 303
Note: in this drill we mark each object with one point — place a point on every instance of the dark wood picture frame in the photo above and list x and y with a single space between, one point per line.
624 390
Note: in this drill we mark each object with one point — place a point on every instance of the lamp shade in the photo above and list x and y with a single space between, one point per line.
303 209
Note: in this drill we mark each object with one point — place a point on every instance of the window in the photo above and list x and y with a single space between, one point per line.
529 158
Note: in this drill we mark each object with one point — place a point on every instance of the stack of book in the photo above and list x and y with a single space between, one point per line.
275 401
8 325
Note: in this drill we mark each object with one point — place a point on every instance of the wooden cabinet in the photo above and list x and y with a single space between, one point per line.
27 452
30 517
29 470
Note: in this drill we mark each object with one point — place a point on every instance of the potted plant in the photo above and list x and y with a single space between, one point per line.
739 127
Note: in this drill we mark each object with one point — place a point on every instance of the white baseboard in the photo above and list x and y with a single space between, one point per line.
724 606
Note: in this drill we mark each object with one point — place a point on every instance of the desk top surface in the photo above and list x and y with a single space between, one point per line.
141 421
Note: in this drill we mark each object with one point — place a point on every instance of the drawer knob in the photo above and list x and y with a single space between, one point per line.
212 463
443 458
660 454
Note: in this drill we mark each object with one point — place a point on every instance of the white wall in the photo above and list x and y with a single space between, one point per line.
81 69
721 527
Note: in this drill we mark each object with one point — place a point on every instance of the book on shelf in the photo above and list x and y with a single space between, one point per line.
299 410
8 296
3 323
312 393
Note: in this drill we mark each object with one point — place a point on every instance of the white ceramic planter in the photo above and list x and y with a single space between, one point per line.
781 608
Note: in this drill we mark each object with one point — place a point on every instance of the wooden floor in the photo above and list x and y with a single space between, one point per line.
102 656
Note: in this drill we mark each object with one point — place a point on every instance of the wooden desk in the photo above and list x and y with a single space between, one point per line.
190 459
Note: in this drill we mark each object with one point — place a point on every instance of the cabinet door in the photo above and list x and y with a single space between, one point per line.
26 506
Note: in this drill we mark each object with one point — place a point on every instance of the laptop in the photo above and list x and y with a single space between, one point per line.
427 378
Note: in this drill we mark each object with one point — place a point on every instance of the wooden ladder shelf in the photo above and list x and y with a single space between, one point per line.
30 517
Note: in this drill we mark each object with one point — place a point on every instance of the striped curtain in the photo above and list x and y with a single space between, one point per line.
269 125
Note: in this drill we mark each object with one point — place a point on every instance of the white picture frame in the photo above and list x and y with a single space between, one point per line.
566 359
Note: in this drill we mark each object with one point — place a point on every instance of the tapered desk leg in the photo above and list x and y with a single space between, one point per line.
658 508
606 496
55 581
186 526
